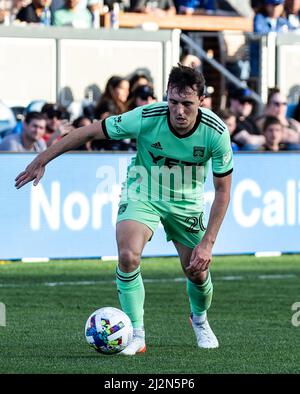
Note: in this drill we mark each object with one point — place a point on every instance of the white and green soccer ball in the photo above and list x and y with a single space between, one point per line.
108 330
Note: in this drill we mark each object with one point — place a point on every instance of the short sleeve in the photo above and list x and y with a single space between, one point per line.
127 125
222 156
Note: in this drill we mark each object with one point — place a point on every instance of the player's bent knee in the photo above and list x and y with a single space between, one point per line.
198 277
128 260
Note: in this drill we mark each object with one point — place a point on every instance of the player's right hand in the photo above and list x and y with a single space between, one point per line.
34 171
200 259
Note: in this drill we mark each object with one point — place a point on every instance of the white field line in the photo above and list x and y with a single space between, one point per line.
166 280
276 276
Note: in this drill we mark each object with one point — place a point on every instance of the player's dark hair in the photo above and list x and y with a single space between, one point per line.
34 115
270 120
183 77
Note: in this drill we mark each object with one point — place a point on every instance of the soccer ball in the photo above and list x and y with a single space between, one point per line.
108 330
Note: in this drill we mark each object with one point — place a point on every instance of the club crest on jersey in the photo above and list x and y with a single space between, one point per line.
122 208
198 151
226 158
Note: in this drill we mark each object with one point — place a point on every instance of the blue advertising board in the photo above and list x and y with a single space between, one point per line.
72 212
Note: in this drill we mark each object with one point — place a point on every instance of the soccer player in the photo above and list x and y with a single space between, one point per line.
175 142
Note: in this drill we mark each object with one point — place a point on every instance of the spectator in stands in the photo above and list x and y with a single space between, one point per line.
241 103
271 18
241 139
190 60
257 6
248 136
2 15
104 109
277 106
138 78
156 7
31 137
72 14
33 11
80 122
15 7
7 120
229 119
292 11
56 5
234 7
189 7
208 97
273 132
296 113
115 96
142 95
56 118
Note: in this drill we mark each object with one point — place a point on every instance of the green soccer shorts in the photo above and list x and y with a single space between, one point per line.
183 223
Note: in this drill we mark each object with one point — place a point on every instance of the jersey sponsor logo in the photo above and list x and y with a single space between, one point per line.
157 145
198 151
170 162
117 119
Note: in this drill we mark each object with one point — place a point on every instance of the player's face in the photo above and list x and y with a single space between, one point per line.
183 108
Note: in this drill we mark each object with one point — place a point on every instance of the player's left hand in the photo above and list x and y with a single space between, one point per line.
200 259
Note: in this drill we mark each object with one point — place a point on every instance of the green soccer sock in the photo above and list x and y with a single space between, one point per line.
200 296
131 295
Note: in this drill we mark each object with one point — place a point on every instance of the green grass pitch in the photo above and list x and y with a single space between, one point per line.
47 305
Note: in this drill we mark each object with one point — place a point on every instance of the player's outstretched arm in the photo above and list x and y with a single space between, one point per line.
202 253
35 170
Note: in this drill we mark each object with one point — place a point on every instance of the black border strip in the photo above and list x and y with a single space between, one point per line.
198 120
104 129
214 121
224 174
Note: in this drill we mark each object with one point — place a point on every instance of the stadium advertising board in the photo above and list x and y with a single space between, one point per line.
72 212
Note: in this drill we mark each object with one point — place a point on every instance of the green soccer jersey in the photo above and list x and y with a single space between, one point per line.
169 166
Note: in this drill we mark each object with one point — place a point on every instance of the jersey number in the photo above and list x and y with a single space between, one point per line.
194 221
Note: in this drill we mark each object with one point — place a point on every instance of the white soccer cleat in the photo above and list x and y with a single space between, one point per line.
137 344
205 337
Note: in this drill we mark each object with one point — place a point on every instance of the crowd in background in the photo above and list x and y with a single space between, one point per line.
41 124
269 15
